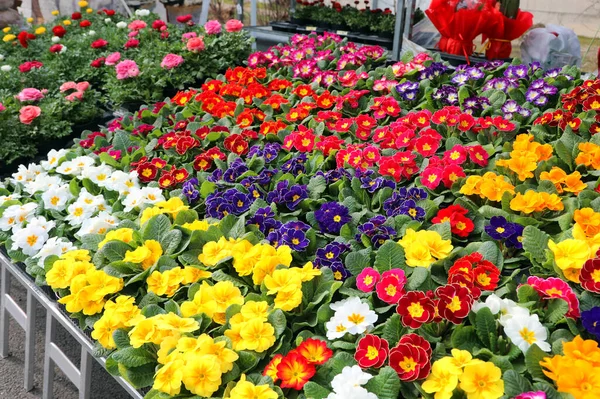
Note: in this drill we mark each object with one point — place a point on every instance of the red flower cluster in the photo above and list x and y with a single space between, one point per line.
358 156
303 140
29 65
88 142
296 368
415 309
474 273
454 302
589 277
453 117
24 38
411 358
59 31
554 287
204 161
100 43
390 286
449 168
460 224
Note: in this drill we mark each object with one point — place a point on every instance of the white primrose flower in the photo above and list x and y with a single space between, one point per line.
66 168
43 182
97 174
40 221
121 24
25 174
55 39
30 239
352 316
5 68
83 162
97 202
54 246
526 331
10 197
349 391
53 157
142 12
57 197
78 212
15 215
107 20
98 224
92 33
140 196
123 182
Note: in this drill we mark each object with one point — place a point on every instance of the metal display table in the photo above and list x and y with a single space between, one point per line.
53 354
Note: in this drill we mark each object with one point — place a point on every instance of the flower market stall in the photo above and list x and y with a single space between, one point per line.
313 221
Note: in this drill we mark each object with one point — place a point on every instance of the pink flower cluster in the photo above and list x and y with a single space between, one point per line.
171 61
127 69
79 88
212 27
28 113
31 94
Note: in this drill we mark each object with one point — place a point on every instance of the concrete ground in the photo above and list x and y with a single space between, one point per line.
11 368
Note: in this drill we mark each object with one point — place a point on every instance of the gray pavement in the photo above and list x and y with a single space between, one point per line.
11 368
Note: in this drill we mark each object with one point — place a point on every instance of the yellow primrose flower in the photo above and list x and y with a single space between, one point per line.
82 3
9 38
247 390
124 234
257 335
255 310
215 251
203 302
202 375
40 31
6 30
149 213
443 379
66 22
288 298
104 329
168 378
29 20
55 12
283 278
173 206
570 254
89 10
482 381
198 225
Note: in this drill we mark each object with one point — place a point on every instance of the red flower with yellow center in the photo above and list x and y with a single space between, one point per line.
146 171
590 275
390 288
271 369
295 371
415 308
371 351
455 302
410 361
315 351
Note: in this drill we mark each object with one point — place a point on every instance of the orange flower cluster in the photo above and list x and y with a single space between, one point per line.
577 371
490 186
589 155
525 156
563 182
533 201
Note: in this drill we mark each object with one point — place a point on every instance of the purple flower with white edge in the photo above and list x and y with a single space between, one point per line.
541 101
537 84
524 112
532 95
549 90
460 79
511 107
475 73
331 216
552 73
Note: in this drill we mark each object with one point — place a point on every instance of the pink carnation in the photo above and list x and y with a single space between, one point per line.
233 25
28 113
171 61
212 27
137 25
113 58
29 94
195 44
127 69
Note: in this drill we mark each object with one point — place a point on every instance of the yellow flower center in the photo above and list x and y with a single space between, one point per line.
412 212
500 230
461 226
408 364
368 280
455 304
31 240
527 335
356 318
554 291
596 276
337 218
54 200
340 328
483 279
415 309
372 352
390 290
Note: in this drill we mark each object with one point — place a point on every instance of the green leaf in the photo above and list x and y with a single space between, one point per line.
557 309
316 186
486 329
170 241
417 277
535 242
114 251
491 252
121 338
515 384
464 337
393 330
389 256
533 357
278 321
386 384
312 390
133 357
356 262
156 228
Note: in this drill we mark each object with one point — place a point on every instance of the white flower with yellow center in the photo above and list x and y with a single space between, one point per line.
42 182
351 316
78 212
99 175
29 240
54 246
39 221
26 173
123 182
82 163
526 331
67 168
98 225
57 197
10 197
139 197
53 157
15 215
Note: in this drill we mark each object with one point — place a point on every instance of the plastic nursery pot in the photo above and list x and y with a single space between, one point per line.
456 60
